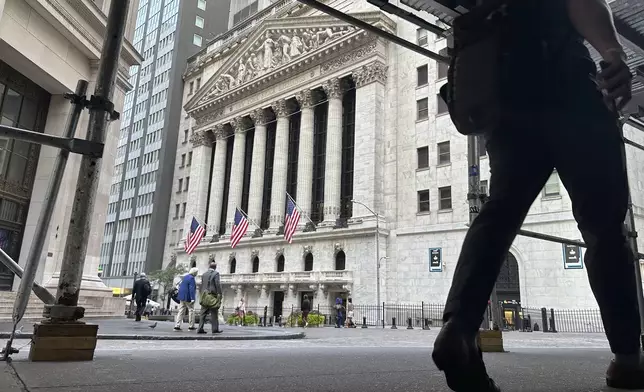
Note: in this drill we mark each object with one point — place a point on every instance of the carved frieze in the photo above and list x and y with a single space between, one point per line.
333 88
370 73
275 48
201 138
209 118
349 58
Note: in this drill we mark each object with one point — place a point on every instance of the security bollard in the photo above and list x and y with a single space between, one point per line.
393 323
265 314
409 326
364 322
426 326
553 328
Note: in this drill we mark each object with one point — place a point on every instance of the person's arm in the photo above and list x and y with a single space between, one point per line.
192 289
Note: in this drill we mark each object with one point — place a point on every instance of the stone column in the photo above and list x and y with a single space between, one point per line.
215 205
305 156
369 135
333 164
280 166
236 171
256 194
199 173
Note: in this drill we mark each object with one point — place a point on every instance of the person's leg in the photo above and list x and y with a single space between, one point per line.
179 318
214 319
202 319
191 315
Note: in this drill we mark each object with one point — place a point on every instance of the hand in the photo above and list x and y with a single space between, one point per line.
615 79
192 302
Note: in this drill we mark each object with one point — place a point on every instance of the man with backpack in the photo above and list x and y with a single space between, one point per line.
551 99
142 290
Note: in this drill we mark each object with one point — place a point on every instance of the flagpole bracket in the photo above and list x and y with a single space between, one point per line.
258 233
310 226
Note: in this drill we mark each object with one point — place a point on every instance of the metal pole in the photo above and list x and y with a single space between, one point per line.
41 292
129 314
378 261
69 143
100 113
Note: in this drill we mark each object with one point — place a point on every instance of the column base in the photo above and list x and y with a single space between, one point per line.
63 341
95 297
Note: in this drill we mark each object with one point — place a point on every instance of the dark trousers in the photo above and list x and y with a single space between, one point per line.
585 147
140 307
214 318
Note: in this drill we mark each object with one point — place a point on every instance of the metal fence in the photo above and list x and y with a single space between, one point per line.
422 315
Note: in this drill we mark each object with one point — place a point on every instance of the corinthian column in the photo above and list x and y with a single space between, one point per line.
199 172
236 170
280 166
333 164
215 205
305 155
256 191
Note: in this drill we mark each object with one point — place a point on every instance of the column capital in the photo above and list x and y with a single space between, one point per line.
305 98
259 117
201 138
220 131
369 73
280 108
333 88
239 124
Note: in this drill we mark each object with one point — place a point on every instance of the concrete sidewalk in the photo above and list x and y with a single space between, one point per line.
127 329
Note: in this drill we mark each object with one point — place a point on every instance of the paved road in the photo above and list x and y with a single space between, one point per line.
328 360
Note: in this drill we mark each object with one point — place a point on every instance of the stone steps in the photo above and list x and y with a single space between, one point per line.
95 307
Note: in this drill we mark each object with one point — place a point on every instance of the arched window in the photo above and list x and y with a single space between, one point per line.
340 261
233 265
280 264
193 264
308 262
255 264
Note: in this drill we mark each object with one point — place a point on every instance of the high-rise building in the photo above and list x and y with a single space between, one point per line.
167 32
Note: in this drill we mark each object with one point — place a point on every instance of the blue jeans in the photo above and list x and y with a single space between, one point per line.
339 320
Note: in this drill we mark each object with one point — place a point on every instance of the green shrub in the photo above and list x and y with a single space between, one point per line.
315 319
249 319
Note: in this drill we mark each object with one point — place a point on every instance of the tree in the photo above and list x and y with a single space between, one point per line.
165 278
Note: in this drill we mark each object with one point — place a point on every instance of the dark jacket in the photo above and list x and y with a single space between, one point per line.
306 305
187 289
210 282
142 288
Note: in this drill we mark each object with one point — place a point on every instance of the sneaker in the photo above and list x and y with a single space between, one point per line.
625 377
177 328
459 356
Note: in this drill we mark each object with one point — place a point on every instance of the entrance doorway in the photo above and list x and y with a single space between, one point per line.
508 290
310 295
278 301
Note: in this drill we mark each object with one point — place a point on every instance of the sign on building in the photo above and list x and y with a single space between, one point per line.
573 258
435 260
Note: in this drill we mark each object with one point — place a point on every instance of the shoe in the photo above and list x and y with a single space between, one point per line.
191 329
217 331
177 328
201 331
460 357
625 377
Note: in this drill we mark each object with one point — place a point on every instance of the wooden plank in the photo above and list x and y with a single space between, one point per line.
37 354
65 342
54 330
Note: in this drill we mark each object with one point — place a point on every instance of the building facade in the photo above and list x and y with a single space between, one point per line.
45 48
301 103
166 32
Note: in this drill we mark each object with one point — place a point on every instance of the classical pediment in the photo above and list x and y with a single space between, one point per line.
274 46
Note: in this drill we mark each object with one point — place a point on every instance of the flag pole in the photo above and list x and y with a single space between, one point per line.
299 209
248 219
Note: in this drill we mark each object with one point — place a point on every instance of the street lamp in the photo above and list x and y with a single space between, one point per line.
377 252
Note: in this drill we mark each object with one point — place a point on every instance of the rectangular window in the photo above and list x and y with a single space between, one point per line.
197 40
177 208
199 22
441 106
482 148
185 136
189 159
422 75
423 201
180 187
421 37
423 157
442 67
198 83
192 88
183 160
183 210
187 183
422 110
484 188
552 185
201 4
445 198
443 153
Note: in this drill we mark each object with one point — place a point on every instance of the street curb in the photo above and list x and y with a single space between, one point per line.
284 336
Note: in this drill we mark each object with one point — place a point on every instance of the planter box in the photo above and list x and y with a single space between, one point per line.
63 342
490 341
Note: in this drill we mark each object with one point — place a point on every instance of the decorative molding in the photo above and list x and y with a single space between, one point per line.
259 117
254 253
201 138
220 132
239 124
348 58
279 252
333 88
211 258
280 108
370 73
232 256
338 248
306 250
305 99
209 117
193 259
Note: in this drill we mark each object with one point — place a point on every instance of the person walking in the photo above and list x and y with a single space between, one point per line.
210 299
187 295
140 293
306 308
241 312
339 313
548 77
350 322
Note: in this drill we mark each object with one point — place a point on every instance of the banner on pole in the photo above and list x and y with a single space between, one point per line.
435 260
573 258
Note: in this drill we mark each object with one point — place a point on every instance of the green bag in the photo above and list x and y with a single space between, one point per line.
209 300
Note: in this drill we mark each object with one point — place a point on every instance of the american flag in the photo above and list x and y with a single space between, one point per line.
195 235
292 219
239 228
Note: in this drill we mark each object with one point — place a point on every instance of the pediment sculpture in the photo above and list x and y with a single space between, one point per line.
274 49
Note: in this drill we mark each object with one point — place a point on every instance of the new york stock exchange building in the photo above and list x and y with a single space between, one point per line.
295 102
